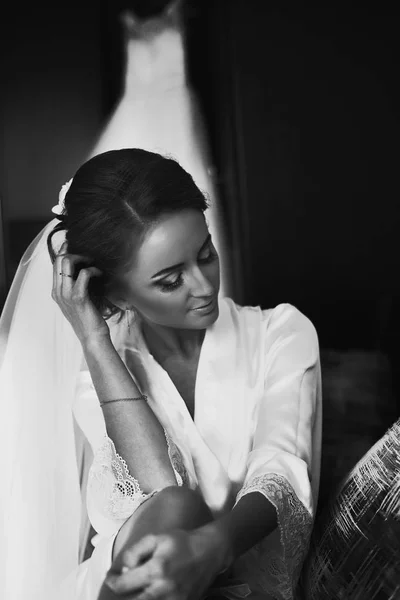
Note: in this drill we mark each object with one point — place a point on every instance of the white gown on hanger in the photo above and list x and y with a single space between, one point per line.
159 112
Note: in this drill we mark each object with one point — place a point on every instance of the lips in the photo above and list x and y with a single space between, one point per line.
204 306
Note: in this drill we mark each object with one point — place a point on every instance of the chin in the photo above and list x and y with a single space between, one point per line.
214 316
205 320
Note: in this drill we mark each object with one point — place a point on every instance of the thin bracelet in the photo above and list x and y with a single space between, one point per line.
142 397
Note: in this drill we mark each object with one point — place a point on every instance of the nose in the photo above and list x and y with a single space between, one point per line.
200 286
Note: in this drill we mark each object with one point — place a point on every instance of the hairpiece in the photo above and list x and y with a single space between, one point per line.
60 207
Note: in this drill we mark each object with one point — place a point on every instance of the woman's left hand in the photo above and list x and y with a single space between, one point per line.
180 565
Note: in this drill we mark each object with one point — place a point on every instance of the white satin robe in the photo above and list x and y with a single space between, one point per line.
256 427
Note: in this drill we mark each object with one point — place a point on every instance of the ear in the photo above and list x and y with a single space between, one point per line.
120 303
119 295
118 299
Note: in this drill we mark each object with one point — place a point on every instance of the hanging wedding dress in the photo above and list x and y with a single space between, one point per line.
158 110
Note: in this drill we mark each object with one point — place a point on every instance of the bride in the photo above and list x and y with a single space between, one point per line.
203 417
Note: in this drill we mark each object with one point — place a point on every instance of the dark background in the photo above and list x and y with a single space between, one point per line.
303 113
302 107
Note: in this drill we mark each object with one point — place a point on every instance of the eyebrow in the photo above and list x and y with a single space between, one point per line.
179 265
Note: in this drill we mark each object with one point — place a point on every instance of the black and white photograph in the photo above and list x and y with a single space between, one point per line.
199 300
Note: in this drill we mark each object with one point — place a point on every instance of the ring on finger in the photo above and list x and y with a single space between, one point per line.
65 274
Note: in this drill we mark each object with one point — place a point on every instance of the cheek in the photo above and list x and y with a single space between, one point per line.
157 305
212 273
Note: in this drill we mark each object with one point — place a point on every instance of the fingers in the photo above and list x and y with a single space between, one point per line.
160 589
137 571
140 552
56 272
131 580
74 257
63 248
61 269
64 286
138 579
63 272
68 260
80 290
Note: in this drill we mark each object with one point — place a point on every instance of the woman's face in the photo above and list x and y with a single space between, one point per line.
175 274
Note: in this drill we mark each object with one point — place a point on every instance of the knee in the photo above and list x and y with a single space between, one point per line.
178 494
184 503
171 508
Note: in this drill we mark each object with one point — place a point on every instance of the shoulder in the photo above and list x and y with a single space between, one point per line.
282 317
246 321
289 319
291 334
283 326
236 310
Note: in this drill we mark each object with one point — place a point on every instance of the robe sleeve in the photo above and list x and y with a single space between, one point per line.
280 463
112 493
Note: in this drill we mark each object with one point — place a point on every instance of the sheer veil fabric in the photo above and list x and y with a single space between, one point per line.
40 500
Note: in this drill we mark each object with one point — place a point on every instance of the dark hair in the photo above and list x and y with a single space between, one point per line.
113 200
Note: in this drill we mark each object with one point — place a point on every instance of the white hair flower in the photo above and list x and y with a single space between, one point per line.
59 208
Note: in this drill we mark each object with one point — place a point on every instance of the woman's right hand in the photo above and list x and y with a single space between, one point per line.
72 297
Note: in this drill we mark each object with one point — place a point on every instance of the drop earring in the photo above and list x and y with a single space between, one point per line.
130 315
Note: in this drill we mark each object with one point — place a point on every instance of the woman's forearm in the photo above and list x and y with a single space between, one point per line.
252 519
133 427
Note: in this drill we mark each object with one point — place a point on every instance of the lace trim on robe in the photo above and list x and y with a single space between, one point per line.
111 481
279 572
177 463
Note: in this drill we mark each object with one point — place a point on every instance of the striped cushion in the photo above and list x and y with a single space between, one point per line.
355 547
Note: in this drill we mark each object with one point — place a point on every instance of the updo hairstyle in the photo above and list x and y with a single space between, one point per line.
113 200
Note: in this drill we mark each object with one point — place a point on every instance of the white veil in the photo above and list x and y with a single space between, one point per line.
40 500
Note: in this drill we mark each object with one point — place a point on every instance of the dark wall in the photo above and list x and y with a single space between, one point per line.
303 112
52 107
51 101
308 100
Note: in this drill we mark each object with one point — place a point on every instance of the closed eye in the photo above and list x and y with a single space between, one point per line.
167 285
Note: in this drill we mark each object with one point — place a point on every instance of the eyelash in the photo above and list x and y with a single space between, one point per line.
169 287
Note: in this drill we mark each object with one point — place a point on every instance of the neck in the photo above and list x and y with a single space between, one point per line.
166 342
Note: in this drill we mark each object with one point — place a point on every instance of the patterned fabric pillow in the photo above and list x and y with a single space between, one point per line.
355 547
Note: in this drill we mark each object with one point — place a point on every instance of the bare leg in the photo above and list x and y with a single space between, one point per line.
172 508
